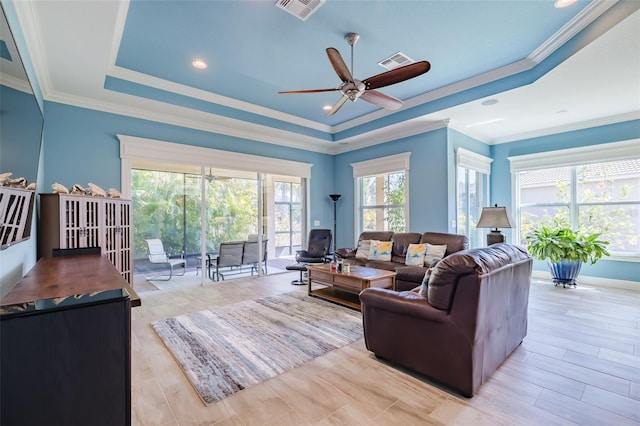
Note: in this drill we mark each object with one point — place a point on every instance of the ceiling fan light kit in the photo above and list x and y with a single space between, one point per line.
352 89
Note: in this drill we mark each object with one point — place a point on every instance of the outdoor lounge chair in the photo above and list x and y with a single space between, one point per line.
157 255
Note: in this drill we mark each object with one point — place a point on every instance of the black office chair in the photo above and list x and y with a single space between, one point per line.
318 247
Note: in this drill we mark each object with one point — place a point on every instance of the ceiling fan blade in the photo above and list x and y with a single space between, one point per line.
397 75
337 106
380 99
338 65
292 92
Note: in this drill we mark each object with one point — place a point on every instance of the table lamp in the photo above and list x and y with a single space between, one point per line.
495 217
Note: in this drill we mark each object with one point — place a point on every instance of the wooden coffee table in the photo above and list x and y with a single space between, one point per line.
344 288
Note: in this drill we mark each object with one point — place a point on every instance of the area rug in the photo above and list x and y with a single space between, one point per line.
229 348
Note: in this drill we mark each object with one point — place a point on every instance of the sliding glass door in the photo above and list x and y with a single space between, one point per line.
179 204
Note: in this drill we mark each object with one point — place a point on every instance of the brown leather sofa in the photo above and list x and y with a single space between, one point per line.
474 316
407 277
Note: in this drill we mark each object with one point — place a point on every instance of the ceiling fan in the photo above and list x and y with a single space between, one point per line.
353 89
210 177
213 178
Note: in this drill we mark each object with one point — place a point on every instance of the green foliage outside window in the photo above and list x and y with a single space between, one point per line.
384 202
605 202
166 205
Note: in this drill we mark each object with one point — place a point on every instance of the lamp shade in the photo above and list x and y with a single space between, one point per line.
495 217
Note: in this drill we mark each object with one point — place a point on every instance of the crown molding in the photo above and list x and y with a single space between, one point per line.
394 132
15 83
213 98
29 24
199 120
579 22
614 119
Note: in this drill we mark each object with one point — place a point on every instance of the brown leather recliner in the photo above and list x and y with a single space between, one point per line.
475 315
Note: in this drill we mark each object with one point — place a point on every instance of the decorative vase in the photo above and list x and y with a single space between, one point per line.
565 272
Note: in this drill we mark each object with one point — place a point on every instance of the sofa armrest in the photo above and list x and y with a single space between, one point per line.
406 303
345 253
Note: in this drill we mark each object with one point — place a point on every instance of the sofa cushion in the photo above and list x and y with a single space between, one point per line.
415 254
401 241
355 261
376 235
380 250
363 249
454 242
381 264
410 273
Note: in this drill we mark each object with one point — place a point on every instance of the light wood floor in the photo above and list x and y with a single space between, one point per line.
579 364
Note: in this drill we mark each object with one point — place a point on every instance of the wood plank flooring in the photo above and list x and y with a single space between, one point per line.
579 364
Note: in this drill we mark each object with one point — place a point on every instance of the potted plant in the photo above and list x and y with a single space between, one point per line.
565 250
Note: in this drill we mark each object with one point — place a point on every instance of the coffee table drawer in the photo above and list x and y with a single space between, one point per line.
347 282
322 276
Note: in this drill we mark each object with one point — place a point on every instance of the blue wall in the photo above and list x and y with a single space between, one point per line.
427 182
81 146
501 179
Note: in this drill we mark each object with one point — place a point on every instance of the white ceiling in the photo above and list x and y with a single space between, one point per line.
75 45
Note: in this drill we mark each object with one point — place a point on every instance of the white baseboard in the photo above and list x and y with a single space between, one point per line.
594 281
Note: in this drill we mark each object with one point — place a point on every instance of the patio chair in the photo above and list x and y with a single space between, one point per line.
157 255
251 256
229 256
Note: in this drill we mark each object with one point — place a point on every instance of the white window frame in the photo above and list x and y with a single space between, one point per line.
473 161
376 166
600 153
133 148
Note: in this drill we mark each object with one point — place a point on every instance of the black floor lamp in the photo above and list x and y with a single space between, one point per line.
335 198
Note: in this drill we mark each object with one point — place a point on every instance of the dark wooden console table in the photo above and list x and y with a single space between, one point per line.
65 342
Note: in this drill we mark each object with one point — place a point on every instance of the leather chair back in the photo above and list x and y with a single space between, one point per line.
318 247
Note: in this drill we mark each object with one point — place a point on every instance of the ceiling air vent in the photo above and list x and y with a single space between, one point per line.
396 60
300 8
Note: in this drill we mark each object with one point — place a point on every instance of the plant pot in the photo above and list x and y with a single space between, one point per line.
565 272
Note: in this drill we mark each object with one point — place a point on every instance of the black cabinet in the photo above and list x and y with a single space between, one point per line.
65 345
67 365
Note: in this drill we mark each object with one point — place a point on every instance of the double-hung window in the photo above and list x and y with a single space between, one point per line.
594 189
382 193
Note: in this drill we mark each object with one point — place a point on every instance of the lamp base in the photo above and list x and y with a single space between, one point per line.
494 237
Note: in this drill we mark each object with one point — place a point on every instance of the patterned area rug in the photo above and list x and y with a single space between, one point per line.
229 348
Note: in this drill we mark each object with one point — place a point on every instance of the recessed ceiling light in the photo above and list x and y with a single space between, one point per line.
327 107
488 102
199 63
559 4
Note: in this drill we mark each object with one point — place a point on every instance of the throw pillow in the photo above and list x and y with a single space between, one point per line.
415 255
424 287
363 249
436 251
430 262
380 250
